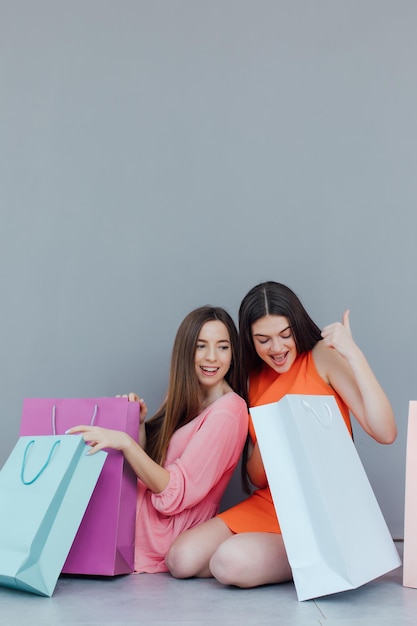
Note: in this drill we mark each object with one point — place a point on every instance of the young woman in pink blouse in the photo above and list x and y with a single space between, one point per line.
187 452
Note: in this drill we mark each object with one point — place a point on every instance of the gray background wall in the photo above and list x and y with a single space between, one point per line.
157 156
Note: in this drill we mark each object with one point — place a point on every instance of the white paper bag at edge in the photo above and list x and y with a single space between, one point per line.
410 506
333 530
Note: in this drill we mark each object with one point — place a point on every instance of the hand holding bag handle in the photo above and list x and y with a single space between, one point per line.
44 466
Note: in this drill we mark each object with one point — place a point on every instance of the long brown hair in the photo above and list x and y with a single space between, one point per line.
184 397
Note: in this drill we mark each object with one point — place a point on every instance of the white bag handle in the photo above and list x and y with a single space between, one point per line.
324 420
54 417
44 466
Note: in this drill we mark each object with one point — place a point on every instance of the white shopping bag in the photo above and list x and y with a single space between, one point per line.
334 532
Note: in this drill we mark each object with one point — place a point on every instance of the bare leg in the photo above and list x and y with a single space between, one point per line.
250 560
190 554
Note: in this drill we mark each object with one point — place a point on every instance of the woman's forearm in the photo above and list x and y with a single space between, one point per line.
155 477
377 413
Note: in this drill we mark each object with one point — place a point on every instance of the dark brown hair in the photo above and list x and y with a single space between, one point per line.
270 298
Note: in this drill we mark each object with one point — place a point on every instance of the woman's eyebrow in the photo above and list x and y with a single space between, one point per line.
219 341
279 333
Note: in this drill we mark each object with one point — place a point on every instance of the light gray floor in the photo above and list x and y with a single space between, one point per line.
159 599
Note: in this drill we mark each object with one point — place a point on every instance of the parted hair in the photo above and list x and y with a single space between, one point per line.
270 298
184 397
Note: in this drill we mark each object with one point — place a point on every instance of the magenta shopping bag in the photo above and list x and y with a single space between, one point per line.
104 543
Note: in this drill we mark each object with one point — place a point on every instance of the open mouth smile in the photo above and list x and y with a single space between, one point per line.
209 370
279 359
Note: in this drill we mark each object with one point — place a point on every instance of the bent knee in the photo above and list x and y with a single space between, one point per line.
185 559
179 562
229 566
251 559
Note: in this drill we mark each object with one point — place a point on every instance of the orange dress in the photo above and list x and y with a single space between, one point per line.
257 513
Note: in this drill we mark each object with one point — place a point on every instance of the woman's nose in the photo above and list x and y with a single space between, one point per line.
276 344
211 353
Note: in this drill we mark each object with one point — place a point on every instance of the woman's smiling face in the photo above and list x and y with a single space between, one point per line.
213 354
274 342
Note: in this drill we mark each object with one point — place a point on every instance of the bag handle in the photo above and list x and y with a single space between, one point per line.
44 466
54 417
327 418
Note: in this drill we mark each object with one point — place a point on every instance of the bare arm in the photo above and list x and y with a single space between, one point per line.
344 366
153 475
255 467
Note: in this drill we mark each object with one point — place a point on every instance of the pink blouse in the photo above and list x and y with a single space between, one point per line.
201 458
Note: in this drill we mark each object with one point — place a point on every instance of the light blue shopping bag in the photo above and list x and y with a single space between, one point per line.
45 486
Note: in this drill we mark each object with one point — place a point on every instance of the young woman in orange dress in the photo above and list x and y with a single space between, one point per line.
282 351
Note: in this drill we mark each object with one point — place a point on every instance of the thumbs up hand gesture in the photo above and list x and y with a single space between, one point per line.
338 336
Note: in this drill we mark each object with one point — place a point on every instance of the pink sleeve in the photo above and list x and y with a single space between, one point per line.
213 450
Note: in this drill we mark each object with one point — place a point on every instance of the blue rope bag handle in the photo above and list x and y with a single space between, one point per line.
44 466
